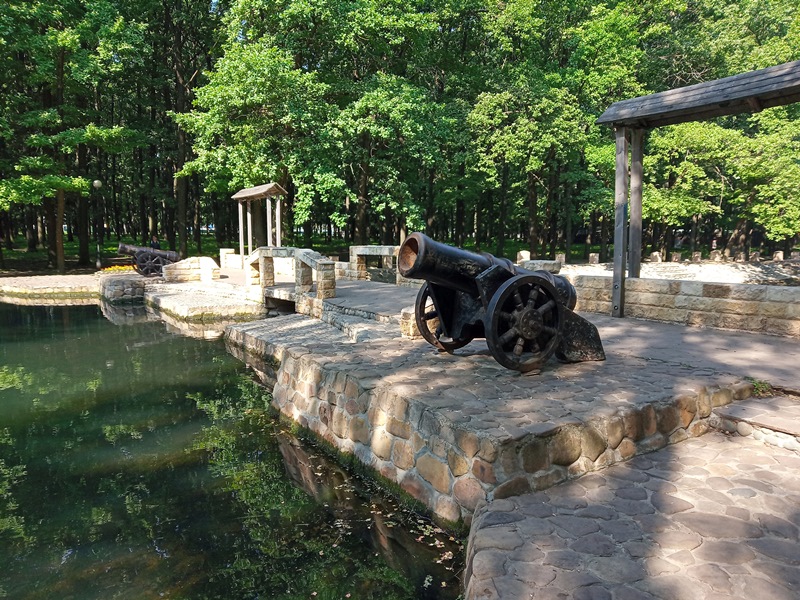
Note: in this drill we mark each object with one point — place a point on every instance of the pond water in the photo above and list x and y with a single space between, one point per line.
135 463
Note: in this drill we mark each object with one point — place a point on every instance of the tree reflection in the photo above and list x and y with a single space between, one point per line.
137 464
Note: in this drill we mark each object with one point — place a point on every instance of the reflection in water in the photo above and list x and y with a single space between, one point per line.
139 464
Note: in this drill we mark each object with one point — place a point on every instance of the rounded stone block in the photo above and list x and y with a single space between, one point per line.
436 472
468 492
565 446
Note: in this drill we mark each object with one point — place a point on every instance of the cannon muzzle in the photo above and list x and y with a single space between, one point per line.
421 257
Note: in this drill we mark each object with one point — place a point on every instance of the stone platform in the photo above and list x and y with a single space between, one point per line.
457 431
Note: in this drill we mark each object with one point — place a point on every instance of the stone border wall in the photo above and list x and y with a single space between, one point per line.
771 309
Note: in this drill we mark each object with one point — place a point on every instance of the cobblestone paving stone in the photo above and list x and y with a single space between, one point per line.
711 518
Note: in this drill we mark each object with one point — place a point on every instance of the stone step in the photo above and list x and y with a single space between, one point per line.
356 328
775 420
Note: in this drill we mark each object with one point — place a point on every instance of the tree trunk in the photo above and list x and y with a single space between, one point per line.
361 236
59 230
501 211
533 215
50 221
604 238
30 228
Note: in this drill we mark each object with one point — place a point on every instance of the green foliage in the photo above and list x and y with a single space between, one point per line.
473 121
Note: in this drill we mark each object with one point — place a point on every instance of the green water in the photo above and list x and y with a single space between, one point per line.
135 463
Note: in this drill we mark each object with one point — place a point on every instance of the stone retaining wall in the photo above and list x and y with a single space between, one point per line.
768 309
122 288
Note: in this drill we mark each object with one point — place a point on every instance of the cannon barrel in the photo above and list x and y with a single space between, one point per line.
420 257
130 250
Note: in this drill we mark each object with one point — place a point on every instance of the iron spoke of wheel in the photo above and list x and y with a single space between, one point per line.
518 300
507 337
532 296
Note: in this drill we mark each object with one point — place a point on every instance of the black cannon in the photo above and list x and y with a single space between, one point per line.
148 261
525 316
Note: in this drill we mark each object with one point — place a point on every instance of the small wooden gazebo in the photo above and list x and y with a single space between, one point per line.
747 92
246 196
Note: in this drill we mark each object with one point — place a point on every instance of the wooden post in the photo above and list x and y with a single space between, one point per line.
269 222
635 241
241 233
249 228
620 223
278 221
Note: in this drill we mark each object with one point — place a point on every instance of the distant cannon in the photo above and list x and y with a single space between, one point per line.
148 261
525 316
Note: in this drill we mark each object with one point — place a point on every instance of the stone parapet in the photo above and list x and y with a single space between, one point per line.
758 308
551 266
196 268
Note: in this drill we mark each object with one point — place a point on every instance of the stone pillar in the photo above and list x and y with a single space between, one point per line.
523 255
326 280
655 257
303 279
561 257
697 257
266 267
675 257
594 258
777 255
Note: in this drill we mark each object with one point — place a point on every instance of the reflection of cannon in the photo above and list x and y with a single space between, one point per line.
148 261
525 316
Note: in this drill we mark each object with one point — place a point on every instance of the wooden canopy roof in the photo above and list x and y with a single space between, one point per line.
268 190
747 92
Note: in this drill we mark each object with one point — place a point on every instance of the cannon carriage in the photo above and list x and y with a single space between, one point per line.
525 316
148 261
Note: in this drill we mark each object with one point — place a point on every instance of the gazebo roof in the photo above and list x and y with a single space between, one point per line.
268 190
747 92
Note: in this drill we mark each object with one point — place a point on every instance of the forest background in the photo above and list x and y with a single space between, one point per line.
470 120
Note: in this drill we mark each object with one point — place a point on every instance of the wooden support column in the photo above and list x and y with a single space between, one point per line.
249 228
269 222
278 221
241 233
635 241
620 223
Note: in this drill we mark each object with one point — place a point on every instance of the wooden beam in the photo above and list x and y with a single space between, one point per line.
620 223
635 241
746 92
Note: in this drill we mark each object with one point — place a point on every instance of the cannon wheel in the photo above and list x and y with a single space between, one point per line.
428 323
523 323
148 264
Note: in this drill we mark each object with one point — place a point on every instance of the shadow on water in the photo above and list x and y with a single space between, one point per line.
139 464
